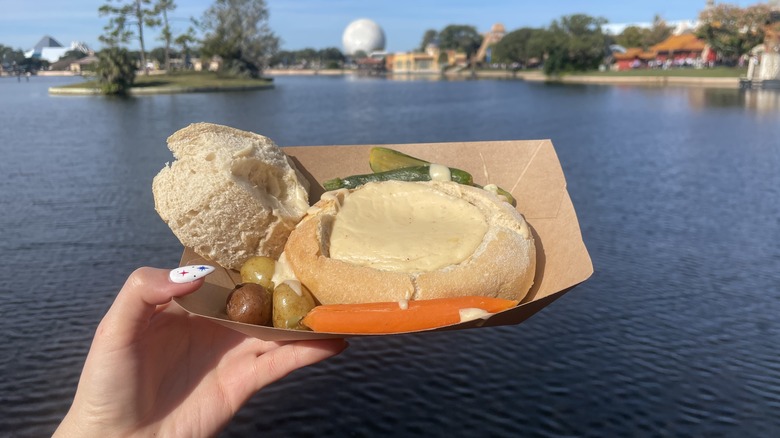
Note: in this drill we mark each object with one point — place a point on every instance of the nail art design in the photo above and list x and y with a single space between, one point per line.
186 274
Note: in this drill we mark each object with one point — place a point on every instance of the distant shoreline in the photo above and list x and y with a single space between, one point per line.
531 76
537 76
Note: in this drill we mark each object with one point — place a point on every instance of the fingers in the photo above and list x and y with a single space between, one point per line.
144 290
281 361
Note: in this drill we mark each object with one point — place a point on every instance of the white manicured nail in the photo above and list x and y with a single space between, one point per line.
186 274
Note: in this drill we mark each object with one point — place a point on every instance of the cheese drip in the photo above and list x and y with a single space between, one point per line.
405 227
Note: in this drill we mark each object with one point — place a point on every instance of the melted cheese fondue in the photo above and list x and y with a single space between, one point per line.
405 227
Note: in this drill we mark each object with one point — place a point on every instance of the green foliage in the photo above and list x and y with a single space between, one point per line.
128 18
161 9
733 31
11 58
238 32
520 46
657 33
186 41
575 43
635 36
115 70
123 13
331 54
461 38
429 37
15 62
116 32
631 36
159 54
643 37
330 57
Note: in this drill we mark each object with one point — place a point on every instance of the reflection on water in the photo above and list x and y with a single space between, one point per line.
762 100
676 333
759 100
410 77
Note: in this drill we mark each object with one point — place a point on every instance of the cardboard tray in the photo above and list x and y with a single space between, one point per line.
529 169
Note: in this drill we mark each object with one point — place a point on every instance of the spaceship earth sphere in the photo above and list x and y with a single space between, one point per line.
363 34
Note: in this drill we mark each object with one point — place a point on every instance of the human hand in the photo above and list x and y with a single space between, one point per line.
153 369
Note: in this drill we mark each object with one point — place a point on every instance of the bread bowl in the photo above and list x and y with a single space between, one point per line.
481 245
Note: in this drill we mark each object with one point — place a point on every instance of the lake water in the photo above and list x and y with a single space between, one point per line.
678 196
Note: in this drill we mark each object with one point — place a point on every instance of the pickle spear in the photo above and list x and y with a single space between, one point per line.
383 159
416 173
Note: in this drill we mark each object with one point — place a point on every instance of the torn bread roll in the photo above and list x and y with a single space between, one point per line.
230 194
398 241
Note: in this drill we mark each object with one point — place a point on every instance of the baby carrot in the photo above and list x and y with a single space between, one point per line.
393 317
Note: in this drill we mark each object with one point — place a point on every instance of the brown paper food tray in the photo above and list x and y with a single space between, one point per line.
528 169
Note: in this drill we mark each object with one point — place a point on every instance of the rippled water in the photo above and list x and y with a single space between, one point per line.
678 195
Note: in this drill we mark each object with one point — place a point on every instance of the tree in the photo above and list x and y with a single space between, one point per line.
733 31
576 43
631 36
460 38
330 57
635 36
537 46
161 54
429 37
332 54
115 33
10 57
115 70
15 62
519 46
162 7
119 11
658 32
238 32
186 41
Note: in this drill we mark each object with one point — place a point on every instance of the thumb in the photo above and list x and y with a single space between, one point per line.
145 289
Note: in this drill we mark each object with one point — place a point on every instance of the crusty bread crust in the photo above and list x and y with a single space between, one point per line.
230 194
502 266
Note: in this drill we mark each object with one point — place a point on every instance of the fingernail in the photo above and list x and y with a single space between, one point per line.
186 274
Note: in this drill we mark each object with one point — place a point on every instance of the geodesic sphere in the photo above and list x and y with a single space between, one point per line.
363 35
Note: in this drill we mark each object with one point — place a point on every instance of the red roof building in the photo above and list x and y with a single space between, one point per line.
677 50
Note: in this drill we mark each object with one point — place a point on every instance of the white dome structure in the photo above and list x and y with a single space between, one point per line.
363 35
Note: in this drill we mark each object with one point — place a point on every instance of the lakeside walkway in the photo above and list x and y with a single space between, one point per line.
537 76
531 76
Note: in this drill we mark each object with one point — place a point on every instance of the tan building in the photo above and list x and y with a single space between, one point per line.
432 61
212 64
87 63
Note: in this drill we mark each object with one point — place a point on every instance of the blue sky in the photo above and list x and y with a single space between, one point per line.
320 23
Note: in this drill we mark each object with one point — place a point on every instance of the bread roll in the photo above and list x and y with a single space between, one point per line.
230 194
474 244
